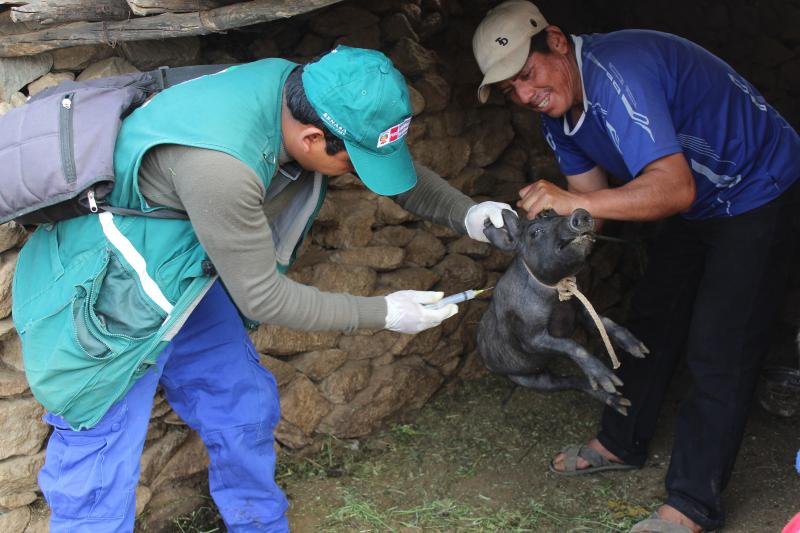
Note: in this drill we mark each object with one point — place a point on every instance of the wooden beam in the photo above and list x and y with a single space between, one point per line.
61 11
156 27
155 7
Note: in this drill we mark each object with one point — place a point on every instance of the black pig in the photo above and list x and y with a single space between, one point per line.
526 324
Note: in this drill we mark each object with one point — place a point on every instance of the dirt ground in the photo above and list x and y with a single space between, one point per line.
470 462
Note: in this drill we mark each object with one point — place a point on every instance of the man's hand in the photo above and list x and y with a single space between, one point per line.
406 311
543 195
477 215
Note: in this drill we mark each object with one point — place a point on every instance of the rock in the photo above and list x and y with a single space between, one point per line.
80 57
389 212
348 221
143 495
11 235
22 432
264 47
290 435
412 278
424 250
8 262
498 260
459 273
282 372
10 346
312 45
174 52
412 12
424 341
277 340
368 345
397 388
396 27
191 458
341 386
157 453
17 72
430 25
346 181
49 80
445 356
40 518
380 258
318 365
446 157
473 367
470 247
435 90
168 503
303 405
771 51
411 58
392 236
332 277
12 501
471 181
12 382
18 474
15 521
113 66
489 137
446 124
343 20
369 37
417 104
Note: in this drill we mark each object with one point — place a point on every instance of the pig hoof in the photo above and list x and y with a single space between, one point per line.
619 403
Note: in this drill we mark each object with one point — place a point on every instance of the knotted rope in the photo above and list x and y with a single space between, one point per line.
567 288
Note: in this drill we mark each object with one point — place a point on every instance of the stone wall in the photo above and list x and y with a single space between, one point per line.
349 385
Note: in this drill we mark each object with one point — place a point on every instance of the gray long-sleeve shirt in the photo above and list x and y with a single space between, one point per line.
225 201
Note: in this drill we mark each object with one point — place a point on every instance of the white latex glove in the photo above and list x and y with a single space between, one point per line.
477 215
407 314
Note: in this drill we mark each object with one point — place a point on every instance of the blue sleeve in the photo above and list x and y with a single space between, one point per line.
570 157
639 121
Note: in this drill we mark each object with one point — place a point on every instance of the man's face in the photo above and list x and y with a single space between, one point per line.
548 83
317 159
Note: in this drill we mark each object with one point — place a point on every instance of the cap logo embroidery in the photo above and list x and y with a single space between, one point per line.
338 127
394 134
502 41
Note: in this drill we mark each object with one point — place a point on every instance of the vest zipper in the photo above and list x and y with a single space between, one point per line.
66 137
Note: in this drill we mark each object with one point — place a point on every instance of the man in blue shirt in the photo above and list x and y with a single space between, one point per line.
697 145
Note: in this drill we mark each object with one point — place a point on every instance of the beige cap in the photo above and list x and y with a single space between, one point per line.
502 41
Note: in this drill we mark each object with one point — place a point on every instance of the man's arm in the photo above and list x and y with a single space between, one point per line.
432 198
665 187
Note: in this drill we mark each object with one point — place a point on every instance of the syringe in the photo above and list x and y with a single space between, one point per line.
457 298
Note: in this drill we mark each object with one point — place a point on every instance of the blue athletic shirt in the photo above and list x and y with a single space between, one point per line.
649 94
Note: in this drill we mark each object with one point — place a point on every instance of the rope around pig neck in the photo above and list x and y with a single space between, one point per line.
567 288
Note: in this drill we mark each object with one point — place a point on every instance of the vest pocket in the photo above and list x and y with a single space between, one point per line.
110 312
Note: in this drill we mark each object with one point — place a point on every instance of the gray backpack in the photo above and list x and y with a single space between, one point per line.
57 150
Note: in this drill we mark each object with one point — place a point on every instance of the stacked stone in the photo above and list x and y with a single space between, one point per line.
349 385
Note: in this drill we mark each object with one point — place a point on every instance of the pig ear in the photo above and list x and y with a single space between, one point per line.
504 238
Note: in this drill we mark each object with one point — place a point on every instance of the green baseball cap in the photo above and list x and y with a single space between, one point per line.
363 100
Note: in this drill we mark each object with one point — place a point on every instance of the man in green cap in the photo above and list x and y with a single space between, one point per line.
108 306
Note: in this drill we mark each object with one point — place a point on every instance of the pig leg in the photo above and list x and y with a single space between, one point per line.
620 336
546 382
596 372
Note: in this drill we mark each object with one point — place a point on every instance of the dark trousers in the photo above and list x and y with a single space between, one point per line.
711 291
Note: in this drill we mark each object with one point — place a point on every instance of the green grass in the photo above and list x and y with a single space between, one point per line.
359 513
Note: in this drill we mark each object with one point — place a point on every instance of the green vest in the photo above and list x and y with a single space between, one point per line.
98 297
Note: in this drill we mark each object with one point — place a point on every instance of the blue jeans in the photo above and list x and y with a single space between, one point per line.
212 378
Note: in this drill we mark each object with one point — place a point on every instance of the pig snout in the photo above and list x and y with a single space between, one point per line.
580 221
